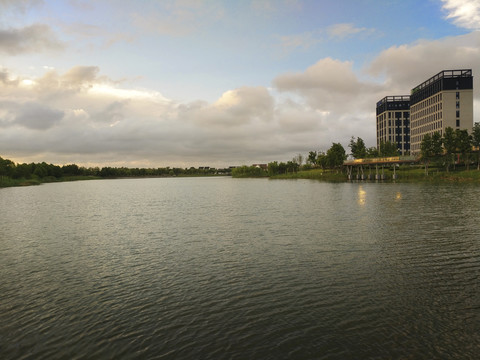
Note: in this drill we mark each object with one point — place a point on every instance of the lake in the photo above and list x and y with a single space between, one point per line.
222 268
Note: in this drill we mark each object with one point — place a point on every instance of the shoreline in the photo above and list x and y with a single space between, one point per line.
416 175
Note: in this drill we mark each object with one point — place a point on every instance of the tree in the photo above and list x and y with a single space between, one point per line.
7 167
388 149
426 150
450 145
437 143
372 152
292 166
431 148
298 160
244 171
336 155
312 158
358 148
282 168
322 159
464 146
476 141
273 168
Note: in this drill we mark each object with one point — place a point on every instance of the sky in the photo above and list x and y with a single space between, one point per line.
180 83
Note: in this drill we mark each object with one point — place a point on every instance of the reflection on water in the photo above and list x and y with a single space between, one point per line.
224 268
362 194
398 195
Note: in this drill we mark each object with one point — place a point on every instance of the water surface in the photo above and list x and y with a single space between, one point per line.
221 268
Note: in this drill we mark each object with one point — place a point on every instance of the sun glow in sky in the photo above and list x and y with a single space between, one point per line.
214 83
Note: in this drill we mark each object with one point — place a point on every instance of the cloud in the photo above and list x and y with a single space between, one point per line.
30 39
310 39
93 36
303 41
405 66
272 7
80 75
83 116
30 115
341 31
329 85
178 18
18 5
464 13
6 80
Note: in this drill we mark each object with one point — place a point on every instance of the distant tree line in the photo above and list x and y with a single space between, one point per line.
332 159
454 145
8 169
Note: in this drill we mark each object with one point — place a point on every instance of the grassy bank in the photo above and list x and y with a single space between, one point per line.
9 182
317 174
404 174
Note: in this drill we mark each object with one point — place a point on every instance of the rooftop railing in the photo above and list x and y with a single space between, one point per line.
445 74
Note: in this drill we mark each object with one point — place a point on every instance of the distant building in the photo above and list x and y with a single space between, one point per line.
444 100
261 166
393 122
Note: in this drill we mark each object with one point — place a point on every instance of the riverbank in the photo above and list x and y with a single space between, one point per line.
403 174
9 182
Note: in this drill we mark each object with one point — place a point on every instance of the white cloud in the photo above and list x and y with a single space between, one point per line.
344 30
464 13
300 41
406 66
179 17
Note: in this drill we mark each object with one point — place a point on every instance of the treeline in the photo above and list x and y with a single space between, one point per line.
447 150
454 146
332 159
44 171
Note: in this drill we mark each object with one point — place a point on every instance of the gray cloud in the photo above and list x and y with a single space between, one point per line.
30 115
80 75
404 67
33 38
6 80
18 5
329 86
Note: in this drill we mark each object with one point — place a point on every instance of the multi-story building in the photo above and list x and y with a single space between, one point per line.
393 122
444 100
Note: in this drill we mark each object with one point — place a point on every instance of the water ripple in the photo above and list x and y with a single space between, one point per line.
227 269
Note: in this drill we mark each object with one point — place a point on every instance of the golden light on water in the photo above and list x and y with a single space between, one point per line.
398 195
362 195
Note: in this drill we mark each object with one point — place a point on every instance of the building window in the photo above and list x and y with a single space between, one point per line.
457 95
458 113
458 104
458 122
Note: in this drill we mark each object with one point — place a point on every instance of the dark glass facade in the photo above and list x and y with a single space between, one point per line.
393 122
444 80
